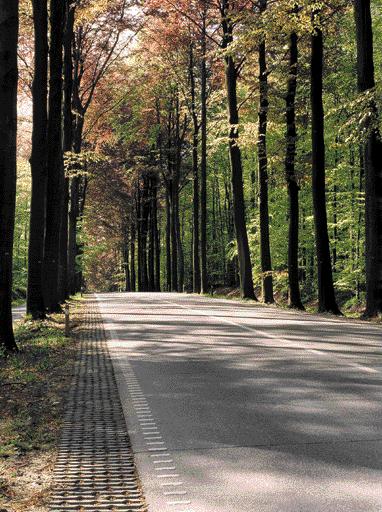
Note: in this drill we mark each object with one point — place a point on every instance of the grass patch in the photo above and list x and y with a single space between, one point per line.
33 384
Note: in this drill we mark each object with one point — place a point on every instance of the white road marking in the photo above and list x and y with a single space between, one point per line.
179 502
269 335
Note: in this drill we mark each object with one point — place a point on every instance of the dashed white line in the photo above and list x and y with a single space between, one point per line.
163 463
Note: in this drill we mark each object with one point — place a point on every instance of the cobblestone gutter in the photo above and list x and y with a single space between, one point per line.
95 467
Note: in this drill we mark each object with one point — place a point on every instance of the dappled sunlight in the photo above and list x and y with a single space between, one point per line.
276 411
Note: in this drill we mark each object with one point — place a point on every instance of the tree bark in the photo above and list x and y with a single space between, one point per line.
74 209
245 266
151 258
145 211
126 259
326 296
179 248
372 162
196 275
168 239
35 294
156 236
174 241
67 145
291 179
203 157
265 250
9 25
55 161
132 257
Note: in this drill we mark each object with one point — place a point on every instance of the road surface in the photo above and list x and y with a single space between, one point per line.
18 312
234 407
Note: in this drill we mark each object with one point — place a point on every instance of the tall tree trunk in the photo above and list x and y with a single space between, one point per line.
360 215
55 162
151 259
35 295
326 296
291 179
196 276
156 236
132 257
139 237
9 24
72 237
245 266
174 240
203 157
372 162
179 248
145 211
168 239
126 259
67 144
74 209
265 250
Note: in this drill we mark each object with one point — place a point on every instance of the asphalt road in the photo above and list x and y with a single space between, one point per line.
18 312
241 408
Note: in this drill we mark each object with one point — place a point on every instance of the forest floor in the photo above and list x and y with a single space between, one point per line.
33 385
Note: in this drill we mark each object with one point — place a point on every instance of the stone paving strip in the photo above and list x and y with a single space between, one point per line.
95 468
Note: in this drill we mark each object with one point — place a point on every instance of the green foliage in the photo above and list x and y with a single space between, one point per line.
21 238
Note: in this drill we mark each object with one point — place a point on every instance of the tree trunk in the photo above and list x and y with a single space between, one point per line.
132 258
151 259
291 179
156 236
55 162
372 162
74 209
126 260
174 241
360 215
67 144
139 237
168 240
35 295
179 249
145 211
265 250
196 276
245 266
326 296
9 23
203 158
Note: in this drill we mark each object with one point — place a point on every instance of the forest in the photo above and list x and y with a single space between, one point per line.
227 147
